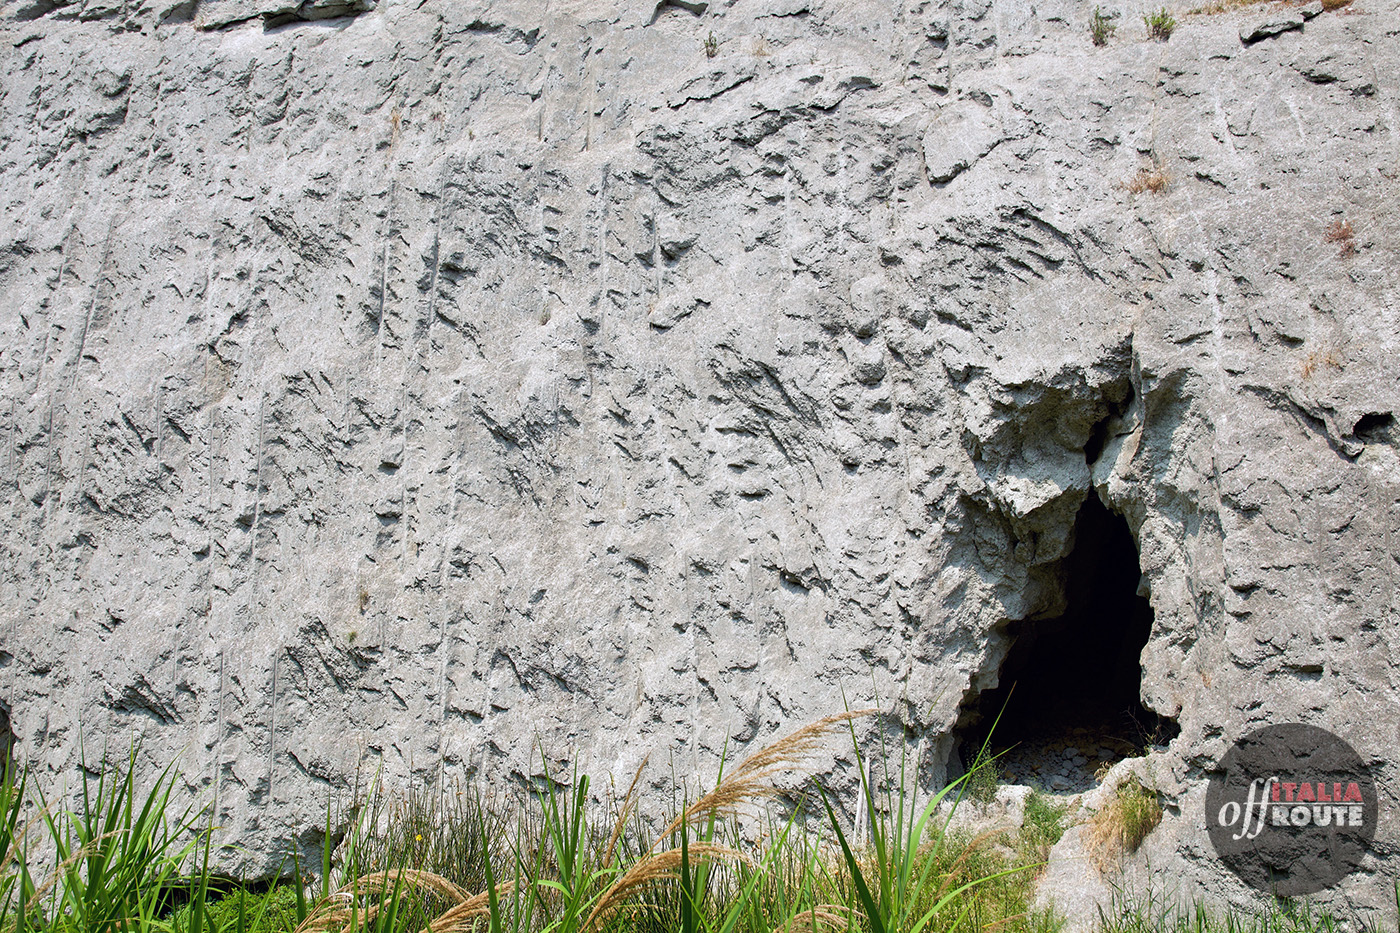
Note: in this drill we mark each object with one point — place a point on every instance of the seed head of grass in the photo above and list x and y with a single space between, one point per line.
656 867
422 880
750 780
461 917
836 917
629 803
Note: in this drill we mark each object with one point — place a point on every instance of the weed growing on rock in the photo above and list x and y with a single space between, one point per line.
1102 27
551 859
1341 233
1153 179
982 779
1149 912
1159 25
1042 825
909 874
1216 7
711 45
556 859
1120 826
1317 359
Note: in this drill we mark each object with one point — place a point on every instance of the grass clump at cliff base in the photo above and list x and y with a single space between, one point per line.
557 859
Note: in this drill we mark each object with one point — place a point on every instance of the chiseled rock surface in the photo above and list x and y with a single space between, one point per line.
423 384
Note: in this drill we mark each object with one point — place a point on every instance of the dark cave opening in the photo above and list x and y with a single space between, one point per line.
1069 688
7 738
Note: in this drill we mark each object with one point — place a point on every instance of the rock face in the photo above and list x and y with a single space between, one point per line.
466 385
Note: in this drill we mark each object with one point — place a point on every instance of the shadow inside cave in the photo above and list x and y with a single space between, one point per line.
1068 700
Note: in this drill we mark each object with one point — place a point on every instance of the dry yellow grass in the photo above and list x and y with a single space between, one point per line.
659 866
1154 179
750 780
822 917
341 912
629 803
1121 824
1317 359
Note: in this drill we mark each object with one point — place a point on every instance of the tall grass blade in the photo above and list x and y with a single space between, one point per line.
867 902
493 900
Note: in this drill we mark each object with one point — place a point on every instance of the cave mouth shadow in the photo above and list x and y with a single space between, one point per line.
1069 688
8 741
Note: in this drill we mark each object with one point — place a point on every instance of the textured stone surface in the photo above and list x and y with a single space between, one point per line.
1271 26
431 384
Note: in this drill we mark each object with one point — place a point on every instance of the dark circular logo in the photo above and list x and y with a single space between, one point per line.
1292 809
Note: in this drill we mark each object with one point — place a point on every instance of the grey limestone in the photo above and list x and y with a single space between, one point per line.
459 387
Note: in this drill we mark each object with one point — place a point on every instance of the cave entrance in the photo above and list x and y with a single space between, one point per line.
1069 688
7 739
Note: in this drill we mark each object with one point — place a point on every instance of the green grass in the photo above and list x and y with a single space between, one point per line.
1148 914
1101 27
241 911
563 859
1160 25
982 779
1041 827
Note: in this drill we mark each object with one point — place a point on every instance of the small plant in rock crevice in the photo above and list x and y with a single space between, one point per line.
1119 827
1216 7
1151 179
1102 27
1320 359
1042 825
982 779
1159 25
711 45
1341 233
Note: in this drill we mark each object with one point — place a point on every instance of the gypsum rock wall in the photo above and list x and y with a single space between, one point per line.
451 388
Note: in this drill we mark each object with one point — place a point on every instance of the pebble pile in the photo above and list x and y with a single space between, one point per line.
1066 763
